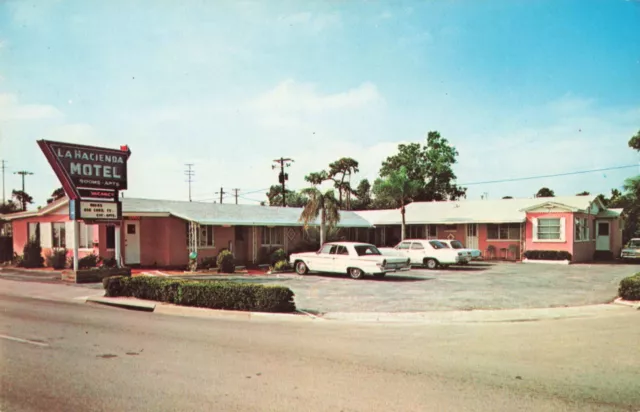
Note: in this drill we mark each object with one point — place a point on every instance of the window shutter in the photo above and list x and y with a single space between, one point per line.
534 222
68 230
45 235
563 223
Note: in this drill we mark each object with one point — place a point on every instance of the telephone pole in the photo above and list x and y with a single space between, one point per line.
189 173
235 191
4 200
23 173
283 177
222 192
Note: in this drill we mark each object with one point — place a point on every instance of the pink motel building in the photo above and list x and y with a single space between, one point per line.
157 232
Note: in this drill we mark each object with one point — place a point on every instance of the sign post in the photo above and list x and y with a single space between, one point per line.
91 177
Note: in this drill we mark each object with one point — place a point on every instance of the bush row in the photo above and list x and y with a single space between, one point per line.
630 288
547 255
57 259
205 294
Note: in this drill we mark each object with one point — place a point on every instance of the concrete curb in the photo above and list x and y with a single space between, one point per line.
632 303
476 316
127 303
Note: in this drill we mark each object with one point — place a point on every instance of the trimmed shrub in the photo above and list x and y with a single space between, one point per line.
226 263
282 266
18 260
57 259
32 255
630 288
87 262
547 255
277 256
108 262
208 294
208 263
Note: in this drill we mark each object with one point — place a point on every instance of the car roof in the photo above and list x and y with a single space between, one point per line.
348 243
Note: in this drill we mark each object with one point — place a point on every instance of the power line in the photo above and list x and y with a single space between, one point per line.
190 173
23 173
544 176
236 194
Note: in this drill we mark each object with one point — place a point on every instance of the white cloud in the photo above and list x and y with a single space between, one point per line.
12 110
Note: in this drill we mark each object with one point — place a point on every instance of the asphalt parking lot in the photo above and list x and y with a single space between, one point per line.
477 286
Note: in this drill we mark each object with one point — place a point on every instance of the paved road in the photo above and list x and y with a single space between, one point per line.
480 286
77 357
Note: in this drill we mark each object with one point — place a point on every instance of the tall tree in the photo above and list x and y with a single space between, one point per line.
634 142
608 201
630 202
363 195
397 188
324 205
22 198
545 192
294 199
340 172
8 207
430 165
507 197
585 193
57 194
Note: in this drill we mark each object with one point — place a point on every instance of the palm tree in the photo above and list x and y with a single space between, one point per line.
323 205
399 188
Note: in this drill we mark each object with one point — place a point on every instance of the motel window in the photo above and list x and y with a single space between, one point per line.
206 236
432 232
86 236
111 237
450 228
581 229
58 235
34 232
506 231
415 232
272 236
549 229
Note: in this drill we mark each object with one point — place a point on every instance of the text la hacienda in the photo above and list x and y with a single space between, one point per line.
92 170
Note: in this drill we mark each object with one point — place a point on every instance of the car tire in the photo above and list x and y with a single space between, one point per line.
356 273
301 268
431 263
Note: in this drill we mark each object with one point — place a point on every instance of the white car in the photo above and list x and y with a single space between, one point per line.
475 254
428 253
353 258
631 251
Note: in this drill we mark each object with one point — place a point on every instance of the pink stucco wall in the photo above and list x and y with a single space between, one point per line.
616 236
582 251
566 245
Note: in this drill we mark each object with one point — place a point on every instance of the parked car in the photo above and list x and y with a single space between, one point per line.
353 258
474 254
631 252
427 253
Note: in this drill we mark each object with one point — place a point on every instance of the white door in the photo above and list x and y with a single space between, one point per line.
416 253
403 249
323 261
603 235
132 242
472 236
340 260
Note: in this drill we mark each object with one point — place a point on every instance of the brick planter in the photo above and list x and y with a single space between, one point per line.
93 275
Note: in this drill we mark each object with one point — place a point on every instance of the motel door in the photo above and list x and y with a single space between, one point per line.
132 242
603 236
472 236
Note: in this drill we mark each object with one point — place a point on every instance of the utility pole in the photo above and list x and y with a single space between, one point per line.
4 200
283 177
189 173
235 191
23 173
221 192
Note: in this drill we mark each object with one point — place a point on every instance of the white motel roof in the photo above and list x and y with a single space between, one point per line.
449 212
473 211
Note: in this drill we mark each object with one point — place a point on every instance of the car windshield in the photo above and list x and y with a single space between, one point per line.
437 245
634 244
366 250
457 245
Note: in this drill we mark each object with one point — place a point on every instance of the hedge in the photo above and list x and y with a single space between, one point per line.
630 288
205 294
547 255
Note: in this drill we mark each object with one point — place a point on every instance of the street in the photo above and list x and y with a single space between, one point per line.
59 356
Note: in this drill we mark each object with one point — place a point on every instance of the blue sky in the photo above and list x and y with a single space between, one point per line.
520 88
